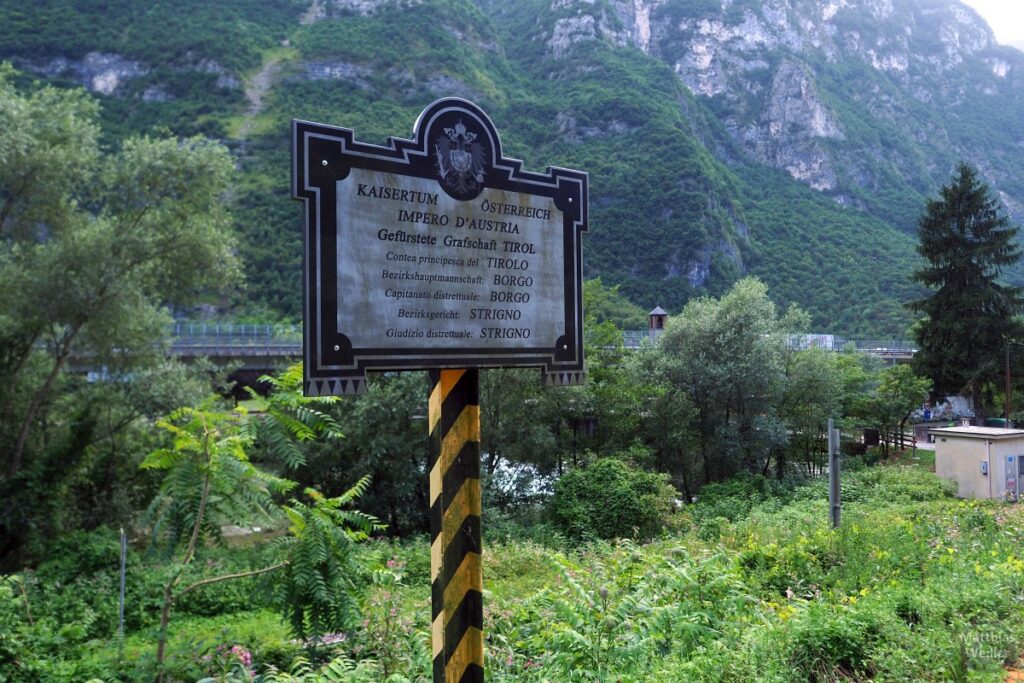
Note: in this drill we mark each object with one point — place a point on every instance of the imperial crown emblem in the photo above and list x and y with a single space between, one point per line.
460 159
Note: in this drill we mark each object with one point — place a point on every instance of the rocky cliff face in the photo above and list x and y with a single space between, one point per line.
331 9
112 74
98 72
800 84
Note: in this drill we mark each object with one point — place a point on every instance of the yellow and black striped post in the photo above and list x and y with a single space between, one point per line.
457 634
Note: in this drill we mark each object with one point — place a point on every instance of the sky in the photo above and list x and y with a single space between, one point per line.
1006 17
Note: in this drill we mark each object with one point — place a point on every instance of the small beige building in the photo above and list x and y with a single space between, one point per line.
985 462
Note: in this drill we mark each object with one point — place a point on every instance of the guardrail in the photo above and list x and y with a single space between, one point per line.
235 340
885 347
238 332
283 340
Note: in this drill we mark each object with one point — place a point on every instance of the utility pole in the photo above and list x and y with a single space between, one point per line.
1009 399
834 504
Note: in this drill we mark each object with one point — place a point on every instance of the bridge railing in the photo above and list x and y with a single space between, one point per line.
234 339
236 332
885 347
260 339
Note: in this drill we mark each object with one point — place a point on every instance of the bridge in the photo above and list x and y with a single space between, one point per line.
260 346
893 350
257 346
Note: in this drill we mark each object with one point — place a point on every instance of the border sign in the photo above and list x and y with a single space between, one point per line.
436 252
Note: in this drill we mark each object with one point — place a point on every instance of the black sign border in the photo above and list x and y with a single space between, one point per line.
323 154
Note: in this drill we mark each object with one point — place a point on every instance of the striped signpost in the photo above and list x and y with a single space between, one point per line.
434 253
457 633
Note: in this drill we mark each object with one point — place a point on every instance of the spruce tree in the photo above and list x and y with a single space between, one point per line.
970 313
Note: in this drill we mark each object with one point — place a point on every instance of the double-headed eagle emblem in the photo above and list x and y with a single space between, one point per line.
460 159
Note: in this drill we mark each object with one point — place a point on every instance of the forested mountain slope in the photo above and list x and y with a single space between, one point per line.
790 139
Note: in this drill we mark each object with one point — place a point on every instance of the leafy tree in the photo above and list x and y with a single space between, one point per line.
606 304
611 393
813 393
899 392
319 585
970 314
726 356
209 481
93 245
286 419
858 378
84 472
667 420
528 429
519 426
385 439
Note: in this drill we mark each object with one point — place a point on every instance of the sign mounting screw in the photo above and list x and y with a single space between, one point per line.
324 163
337 348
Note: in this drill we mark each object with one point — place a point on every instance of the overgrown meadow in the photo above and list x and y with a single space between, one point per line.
746 583
749 583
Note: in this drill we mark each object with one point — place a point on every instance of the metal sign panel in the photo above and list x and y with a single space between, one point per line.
436 252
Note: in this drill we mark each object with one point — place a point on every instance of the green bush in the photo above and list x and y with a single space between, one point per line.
610 499
834 643
896 484
735 498
82 552
873 455
80 585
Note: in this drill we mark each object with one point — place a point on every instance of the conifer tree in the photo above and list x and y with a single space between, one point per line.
970 314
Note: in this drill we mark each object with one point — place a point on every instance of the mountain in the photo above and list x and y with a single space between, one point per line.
790 139
868 101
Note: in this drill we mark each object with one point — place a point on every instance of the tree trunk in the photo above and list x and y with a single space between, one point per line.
686 485
165 612
165 618
780 463
14 465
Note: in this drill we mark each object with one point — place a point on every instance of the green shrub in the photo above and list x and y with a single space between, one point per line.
80 585
853 463
834 642
413 552
873 455
82 552
896 484
199 647
610 499
733 499
531 526
226 597
12 637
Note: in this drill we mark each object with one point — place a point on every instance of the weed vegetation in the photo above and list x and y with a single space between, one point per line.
751 584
